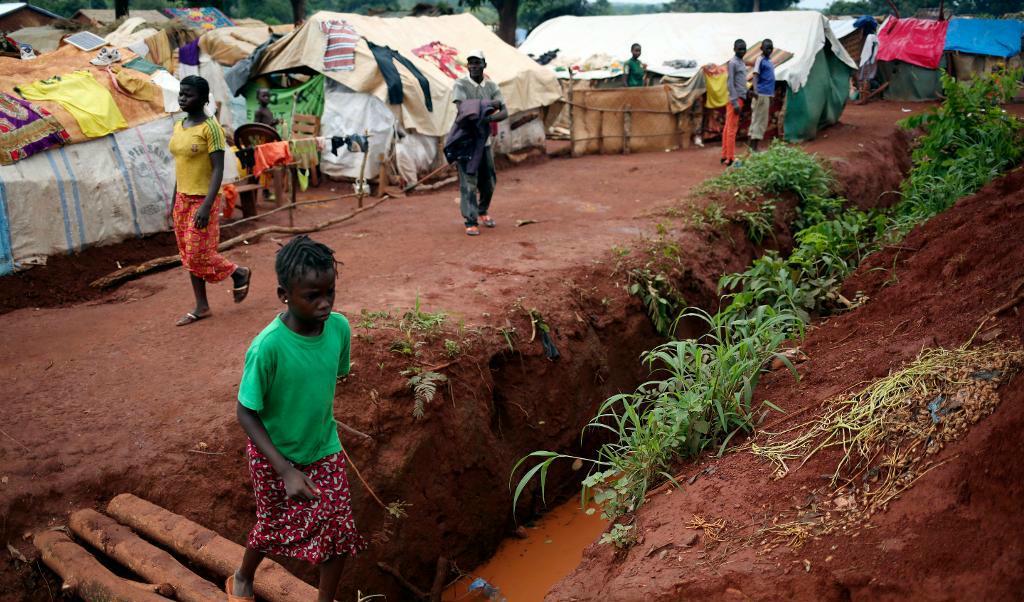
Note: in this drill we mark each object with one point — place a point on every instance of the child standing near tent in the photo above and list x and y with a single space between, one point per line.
764 90
868 57
263 114
286 407
737 86
634 71
197 145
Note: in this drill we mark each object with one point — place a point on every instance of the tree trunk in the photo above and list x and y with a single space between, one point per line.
757 6
508 18
298 12
120 8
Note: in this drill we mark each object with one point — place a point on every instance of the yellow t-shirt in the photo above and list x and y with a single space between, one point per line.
80 94
192 148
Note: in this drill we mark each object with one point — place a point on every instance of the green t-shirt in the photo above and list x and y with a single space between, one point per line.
634 73
289 381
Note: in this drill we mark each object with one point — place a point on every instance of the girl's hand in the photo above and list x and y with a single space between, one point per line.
300 487
202 218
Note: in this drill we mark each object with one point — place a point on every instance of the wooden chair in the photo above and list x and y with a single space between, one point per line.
307 126
251 135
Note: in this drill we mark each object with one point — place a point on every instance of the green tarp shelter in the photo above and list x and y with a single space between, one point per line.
821 100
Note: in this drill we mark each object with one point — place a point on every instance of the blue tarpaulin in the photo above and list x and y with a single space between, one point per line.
992 37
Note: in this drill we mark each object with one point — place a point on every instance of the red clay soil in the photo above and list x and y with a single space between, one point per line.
107 396
958 534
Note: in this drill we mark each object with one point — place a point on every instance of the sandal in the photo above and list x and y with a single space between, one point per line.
487 221
472 231
190 318
241 292
229 586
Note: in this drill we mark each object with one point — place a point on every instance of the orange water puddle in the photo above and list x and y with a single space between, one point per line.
525 569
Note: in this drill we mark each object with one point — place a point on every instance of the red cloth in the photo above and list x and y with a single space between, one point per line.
444 57
915 41
230 194
270 154
732 126
198 248
312 531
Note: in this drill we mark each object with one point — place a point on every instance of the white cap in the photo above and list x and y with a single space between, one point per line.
476 54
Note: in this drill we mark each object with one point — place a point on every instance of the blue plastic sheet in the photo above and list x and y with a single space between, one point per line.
991 37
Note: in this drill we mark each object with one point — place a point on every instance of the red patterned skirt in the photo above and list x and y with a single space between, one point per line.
198 247
311 531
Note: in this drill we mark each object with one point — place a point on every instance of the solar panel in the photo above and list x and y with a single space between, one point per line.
85 40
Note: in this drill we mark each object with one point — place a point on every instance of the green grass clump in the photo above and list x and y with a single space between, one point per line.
779 169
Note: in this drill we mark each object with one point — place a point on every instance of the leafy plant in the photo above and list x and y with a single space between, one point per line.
368 319
622 536
421 321
402 347
661 299
779 169
452 348
424 387
759 222
711 216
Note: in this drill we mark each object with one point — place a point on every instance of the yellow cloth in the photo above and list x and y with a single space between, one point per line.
80 94
191 148
717 89
138 88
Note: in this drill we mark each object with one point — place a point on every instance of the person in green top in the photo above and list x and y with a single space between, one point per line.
634 71
286 407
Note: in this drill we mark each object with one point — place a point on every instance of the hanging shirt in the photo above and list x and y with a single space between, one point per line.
340 47
80 94
869 53
764 83
191 148
717 81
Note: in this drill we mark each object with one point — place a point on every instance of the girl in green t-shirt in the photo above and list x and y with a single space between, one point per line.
286 406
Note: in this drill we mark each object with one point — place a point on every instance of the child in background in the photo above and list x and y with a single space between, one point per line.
263 114
286 407
764 90
633 70
737 86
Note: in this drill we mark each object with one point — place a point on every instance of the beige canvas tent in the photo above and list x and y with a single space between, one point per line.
524 84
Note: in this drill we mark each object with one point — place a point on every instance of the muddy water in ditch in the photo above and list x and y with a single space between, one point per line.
525 569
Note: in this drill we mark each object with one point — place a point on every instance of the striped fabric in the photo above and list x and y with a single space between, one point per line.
340 50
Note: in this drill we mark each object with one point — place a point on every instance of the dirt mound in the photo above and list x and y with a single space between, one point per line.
957 534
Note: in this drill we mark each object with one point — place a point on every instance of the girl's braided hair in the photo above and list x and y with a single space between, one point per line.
300 255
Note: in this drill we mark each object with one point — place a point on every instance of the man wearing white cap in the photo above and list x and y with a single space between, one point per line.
476 190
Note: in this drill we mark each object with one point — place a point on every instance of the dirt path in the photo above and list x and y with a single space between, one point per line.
110 394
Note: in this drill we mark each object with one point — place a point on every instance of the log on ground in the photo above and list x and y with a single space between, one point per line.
143 558
84 576
206 548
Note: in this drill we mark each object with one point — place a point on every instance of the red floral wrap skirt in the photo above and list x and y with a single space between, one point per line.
198 247
312 531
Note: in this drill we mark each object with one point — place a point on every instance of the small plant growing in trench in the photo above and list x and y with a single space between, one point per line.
452 348
424 388
622 536
417 320
659 297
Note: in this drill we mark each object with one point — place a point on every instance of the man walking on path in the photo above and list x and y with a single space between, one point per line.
764 90
737 85
476 190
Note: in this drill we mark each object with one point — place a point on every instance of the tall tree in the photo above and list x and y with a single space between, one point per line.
298 12
120 8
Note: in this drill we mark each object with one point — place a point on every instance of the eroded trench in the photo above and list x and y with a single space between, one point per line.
504 399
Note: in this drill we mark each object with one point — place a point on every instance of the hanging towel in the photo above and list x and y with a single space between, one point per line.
305 152
80 94
340 47
442 56
385 57
270 154
26 129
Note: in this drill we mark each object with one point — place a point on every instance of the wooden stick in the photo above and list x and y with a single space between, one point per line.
143 558
353 431
627 126
420 594
276 209
206 548
84 576
134 271
439 575
427 177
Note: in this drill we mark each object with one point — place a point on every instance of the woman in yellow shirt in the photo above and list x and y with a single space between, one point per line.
197 145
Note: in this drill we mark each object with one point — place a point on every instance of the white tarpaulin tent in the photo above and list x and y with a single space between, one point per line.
97 192
701 37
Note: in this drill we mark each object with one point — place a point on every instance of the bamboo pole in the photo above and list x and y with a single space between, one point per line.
143 558
206 548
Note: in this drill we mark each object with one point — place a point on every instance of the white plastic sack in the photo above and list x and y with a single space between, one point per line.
415 155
